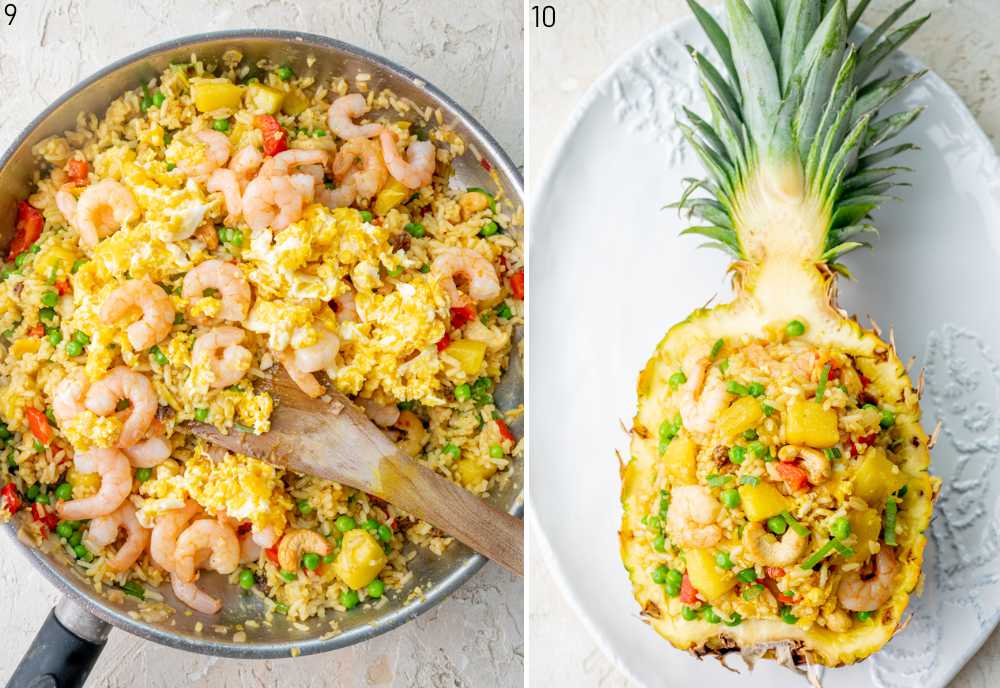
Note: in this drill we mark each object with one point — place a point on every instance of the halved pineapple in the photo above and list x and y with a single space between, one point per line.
794 432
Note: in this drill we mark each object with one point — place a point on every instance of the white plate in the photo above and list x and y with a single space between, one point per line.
609 275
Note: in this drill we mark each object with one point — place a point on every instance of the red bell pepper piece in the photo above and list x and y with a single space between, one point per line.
37 331
796 477
505 431
39 425
62 287
444 342
12 500
462 315
29 227
272 553
77 171
688 594
517 284
275 137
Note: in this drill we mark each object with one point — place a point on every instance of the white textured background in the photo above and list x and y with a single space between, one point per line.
471 49
959 43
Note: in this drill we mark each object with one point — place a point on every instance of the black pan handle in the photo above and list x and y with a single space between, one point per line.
64 649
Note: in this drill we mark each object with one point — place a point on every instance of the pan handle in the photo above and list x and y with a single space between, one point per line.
64 649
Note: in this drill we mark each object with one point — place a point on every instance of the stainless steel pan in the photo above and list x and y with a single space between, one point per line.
73 635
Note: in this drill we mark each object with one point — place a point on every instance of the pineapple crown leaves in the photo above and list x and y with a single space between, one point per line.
792 87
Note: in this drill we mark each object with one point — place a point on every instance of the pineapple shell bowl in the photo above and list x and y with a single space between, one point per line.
608 247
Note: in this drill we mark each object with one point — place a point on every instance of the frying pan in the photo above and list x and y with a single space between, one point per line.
73 635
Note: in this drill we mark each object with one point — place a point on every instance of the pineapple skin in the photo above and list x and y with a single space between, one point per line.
808 295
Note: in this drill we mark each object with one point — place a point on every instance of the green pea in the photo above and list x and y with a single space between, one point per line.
305 508
789 618
54 337
841 528
677 379
366 216
415 229
385 533
396 271
143 474
777 525
319 133
201 414
672 589
19 260
158 356
734 387
425 269
489 229
171 167
795 328
748 575
750 434
158 99
329 558
504 311
64 491
710 616
659 574
289 576
734 620
47 313
863 616
371 525
452 451
33 492
246 579
767 409
345 523
310 561
755 389
349 599
737 454
496 451
688 613
660 543
375 589
81 551
285 72
42 499
236 237
888 419
221 125
64 530
730 498
723 561
74 349
76 538
463 392
50 298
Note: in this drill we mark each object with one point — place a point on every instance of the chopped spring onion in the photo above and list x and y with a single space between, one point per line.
716 348
818 556
714 480
824 376
134 589
795 525
751 480
889 522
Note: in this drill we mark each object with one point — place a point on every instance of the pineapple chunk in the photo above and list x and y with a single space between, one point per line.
469 353
263 99
391 195
84 484
216 94
680 460
25 345
742 414
56 261
809 424
472 473
361 559
707 578
762 501
877 477
865 526
295 103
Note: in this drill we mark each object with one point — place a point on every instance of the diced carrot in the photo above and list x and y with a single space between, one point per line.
62 287
517 284
39 425
795 476
37 331
77 171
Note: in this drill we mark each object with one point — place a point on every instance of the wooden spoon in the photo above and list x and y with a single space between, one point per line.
332 439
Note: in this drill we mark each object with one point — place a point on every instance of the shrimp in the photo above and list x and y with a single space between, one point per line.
285 161
341 197
68 399
266 538
228 280
297 542
418 168
814 462
271 201
866 594
345 109
124 383
66 202
102 210
226 181
206 534
483 283
305 185
764 549
116 484
837 621
691 519
347 310
319 356
307 382
703 396
414 431
359 164
380 414
250 551
152 451
229 368
149 299
245 164
217 150
169 525
194 597
103 531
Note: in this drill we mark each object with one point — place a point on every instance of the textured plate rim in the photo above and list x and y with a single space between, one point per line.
548 176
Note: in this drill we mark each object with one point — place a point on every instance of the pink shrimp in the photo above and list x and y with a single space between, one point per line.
417 169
